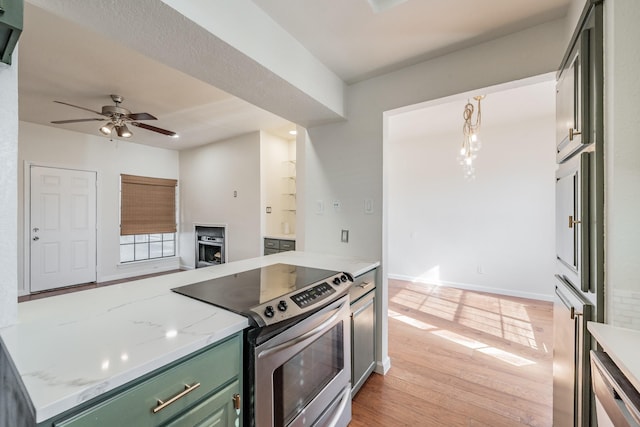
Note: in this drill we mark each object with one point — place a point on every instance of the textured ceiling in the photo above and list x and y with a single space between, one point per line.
357 43
61 60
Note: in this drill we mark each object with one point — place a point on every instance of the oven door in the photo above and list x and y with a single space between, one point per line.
303 374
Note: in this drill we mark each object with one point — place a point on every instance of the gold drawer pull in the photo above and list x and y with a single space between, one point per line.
365 285
236 402
573 132
573 222
187 389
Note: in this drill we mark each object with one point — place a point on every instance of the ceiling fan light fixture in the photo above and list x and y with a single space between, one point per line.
107 129
123 131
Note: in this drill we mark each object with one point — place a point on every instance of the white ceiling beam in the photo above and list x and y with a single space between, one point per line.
232 45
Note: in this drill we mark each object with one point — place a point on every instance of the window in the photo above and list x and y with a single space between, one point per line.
147 218
138 247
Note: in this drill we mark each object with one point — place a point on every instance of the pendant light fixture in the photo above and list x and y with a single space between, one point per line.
471 137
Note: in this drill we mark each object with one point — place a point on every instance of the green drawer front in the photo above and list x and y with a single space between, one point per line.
270 251
271 244
287 245
216 410
133 407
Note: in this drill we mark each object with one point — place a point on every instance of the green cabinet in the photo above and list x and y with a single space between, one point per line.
11 23
216 410
203 389
579 87
273 246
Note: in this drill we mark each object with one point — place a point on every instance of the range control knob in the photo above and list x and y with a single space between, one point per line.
269 311
343 278
336 281
282 305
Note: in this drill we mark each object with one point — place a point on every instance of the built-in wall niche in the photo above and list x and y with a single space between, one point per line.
210 245
289 193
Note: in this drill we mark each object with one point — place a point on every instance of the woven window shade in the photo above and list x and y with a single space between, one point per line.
148 205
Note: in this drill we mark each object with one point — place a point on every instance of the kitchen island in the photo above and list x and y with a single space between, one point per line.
69 349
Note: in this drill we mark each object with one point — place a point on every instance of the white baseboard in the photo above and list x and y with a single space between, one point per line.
472 287
383 367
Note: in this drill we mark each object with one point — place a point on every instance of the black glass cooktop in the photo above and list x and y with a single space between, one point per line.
243 291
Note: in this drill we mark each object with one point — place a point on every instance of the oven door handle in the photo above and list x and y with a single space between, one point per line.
313 332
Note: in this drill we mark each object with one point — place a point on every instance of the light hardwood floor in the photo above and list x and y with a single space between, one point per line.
461 358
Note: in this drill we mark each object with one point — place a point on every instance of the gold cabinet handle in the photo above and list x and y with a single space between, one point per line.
187 389
236 402
365 285
573 222
573 132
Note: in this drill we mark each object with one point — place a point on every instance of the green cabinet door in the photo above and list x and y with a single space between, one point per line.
215 411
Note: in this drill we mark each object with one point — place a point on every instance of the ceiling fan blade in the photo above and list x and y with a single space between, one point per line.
60 122
154 129
141 116
76 106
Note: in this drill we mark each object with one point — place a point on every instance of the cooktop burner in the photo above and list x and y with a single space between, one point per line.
271 294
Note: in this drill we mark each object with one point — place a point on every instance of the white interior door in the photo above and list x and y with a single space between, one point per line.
62 227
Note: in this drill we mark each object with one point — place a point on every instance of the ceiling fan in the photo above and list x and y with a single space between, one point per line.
118 117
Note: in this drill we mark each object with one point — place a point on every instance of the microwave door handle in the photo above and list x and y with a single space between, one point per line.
315 331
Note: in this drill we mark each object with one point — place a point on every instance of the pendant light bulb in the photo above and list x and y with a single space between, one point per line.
107 129
123 131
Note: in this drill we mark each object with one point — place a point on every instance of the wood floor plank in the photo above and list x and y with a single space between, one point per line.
461 358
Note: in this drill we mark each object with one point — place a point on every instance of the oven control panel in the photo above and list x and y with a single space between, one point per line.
311 295
301 301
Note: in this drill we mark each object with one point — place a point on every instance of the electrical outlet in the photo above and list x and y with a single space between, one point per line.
268 209
337 206
344 236
368 206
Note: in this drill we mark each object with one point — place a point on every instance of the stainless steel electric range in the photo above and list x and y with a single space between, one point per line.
297 355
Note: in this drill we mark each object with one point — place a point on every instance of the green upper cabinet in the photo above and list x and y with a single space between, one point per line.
579 87
11 21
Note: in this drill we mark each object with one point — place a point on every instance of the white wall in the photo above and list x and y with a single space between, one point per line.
622 167
8 196
495 233
48 146
275 171
209 175
344 161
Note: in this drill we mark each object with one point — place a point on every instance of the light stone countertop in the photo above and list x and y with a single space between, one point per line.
70 348
623 347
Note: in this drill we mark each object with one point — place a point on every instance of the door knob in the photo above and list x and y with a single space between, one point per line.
36 238
36 229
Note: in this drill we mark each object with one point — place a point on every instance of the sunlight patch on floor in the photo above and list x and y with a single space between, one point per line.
483 348
489 314
410 321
